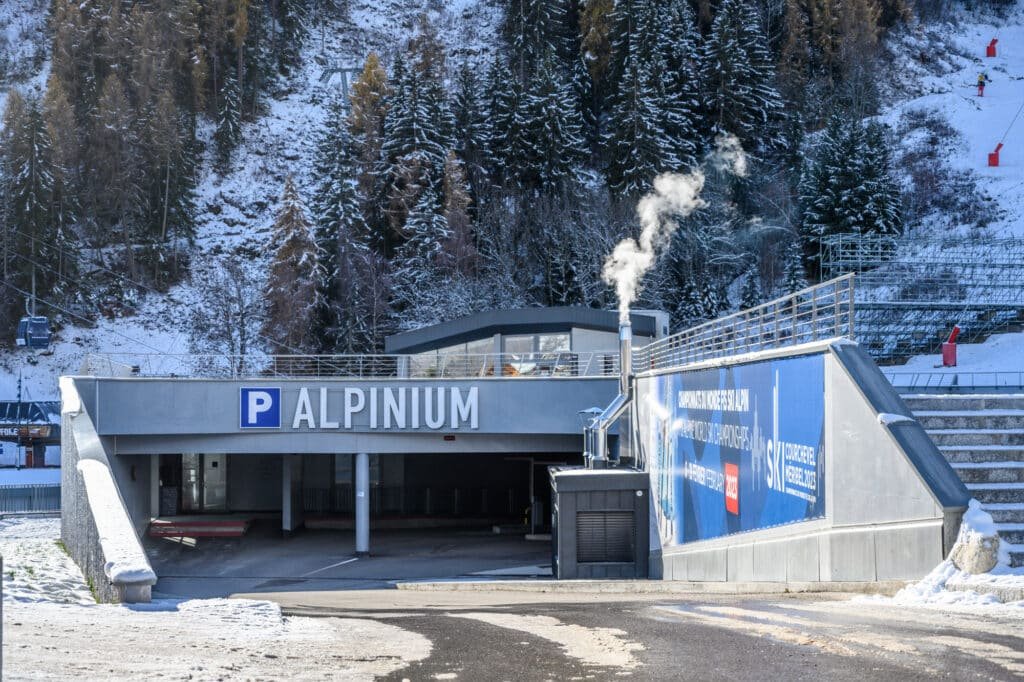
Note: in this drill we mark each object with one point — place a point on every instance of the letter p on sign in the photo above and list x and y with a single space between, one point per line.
260 408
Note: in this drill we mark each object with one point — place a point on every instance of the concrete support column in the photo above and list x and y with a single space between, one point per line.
291 493
362 504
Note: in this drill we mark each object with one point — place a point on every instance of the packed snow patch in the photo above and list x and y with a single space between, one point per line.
932 589
54 630
125 560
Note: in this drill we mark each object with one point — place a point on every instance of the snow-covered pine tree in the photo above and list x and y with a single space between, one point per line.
884 214
472 129
750 295
738 77
293 282
534 31
417 136
423 260
28 180
636 144
229 123
677 44
508 144
294 19
794 277
848 188
552 130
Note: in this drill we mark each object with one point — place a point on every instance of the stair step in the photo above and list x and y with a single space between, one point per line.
993 493
977 436
926 402
1005 512
982 453
990 472
1012 533
980 419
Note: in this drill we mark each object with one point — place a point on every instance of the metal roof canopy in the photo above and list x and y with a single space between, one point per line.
518 321
13 412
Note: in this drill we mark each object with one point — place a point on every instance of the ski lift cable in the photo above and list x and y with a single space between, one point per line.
1015 116
80 317
123 278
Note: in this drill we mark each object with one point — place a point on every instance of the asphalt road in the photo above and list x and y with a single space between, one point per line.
502 636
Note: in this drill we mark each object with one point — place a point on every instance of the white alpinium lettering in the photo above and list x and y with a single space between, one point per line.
463 411
394 410
304 411
324 423
355 401
434 418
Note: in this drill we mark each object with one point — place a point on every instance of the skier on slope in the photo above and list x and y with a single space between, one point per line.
982 80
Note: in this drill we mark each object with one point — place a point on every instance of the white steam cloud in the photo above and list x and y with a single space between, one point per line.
675 197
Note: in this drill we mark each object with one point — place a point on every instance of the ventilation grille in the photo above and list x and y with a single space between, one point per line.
605 537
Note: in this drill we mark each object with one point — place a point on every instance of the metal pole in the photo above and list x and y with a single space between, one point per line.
362 504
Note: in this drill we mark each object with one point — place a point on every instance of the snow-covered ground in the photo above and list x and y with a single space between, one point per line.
999 353
53 629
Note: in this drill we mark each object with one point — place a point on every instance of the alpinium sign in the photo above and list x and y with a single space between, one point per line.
387 408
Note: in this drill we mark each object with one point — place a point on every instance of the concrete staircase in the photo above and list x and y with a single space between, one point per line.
982 436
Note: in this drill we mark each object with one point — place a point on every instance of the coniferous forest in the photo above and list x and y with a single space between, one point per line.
446 184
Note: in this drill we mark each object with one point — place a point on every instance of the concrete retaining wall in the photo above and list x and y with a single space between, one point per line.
893 503
79 530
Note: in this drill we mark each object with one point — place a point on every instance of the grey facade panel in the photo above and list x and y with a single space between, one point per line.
930 464
520 321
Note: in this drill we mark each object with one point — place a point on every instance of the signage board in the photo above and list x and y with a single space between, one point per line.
735 449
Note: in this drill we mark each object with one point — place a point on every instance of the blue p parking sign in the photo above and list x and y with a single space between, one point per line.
260 408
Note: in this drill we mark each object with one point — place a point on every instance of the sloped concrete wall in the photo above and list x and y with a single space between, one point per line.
893 503
79 531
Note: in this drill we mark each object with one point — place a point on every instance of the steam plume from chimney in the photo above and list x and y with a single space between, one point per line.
675 197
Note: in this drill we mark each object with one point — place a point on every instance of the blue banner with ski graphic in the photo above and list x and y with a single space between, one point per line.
735 449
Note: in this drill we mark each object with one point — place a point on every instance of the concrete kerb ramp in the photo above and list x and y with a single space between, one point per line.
96 527
859 493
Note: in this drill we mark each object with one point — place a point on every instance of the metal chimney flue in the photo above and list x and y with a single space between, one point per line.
596 434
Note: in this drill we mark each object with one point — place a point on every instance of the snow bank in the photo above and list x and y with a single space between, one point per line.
888 419
933 588
125 560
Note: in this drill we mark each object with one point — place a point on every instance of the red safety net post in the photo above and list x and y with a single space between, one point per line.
949 348
990 51
993 157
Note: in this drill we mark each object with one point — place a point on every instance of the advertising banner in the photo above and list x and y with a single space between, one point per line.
735 449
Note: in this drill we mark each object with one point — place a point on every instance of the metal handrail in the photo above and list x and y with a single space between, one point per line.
817 313
955 380
556 364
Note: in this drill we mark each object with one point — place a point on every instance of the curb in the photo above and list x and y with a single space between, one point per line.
888 588
1003 594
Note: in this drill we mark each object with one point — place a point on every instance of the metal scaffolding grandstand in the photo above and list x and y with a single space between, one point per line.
912 291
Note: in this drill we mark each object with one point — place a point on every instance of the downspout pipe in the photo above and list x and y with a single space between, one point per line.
596 436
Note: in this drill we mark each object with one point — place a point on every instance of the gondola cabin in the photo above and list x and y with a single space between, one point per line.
33 332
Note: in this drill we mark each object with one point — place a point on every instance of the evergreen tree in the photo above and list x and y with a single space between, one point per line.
423 260
739 80
534 30
229 123
472 129
341 234
750 296
552 129
508 143
28 183
294 19
848 188
794 278
293 283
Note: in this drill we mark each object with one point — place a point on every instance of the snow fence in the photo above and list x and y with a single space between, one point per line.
95 524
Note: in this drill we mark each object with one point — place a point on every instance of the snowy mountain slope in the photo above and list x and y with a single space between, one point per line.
937 68
236 212
24 46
